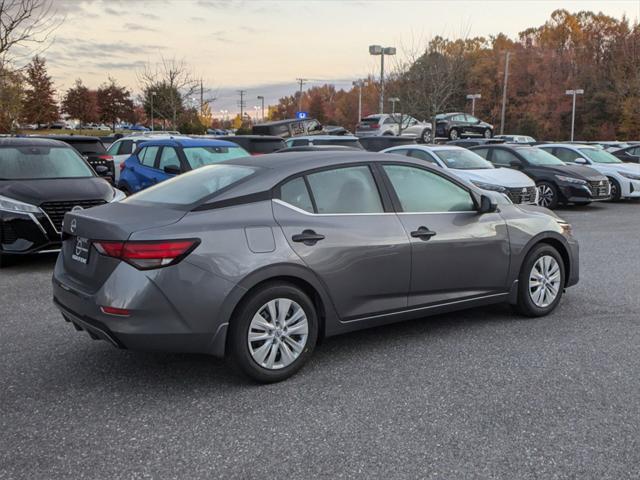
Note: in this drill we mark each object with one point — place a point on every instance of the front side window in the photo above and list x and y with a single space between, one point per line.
483 152
295 193
565 154
345 190
471 119
169 158
421 191
502 158
462 160
21 163
422 155
113 149
599 156
200 156
538 157
126 147
193 186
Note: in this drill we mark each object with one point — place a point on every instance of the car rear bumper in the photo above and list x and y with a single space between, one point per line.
169 311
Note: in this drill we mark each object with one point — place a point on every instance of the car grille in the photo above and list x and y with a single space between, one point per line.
56 210
599 188
8 234
522 194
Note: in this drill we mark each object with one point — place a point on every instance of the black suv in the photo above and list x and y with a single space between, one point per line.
93 151
459 125
557 182
293 127
256 144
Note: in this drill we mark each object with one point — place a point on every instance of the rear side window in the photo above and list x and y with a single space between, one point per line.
126 147
483 152
422 155
422 191
566 155
169 158
148 156
295 193
345 190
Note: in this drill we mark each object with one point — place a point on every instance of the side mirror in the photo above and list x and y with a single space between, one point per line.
580 160
102 170
515 164
487 204
172 170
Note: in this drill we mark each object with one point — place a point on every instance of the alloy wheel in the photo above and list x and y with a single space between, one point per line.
278 333
453 134
487 133
545 195
544 281
426 136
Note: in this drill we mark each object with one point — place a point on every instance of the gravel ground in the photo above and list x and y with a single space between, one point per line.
477 394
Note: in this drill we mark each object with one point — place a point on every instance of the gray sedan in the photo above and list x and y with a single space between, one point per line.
258 258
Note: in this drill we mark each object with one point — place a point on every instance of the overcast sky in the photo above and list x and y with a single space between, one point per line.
263 45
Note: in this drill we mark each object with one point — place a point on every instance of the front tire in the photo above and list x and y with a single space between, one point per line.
541 281
426 136
616 191
273 332
454 134
487 133
547 195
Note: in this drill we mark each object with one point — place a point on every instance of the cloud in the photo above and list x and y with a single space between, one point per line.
120 65
138 27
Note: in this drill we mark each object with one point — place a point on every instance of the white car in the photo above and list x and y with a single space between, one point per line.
122 148
469 166
515 138
389 124
624 177
344 140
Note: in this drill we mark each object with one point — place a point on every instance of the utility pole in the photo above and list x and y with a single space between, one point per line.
504 92
382 51
359 84
573 93
261 98
242 103
201 97
301 81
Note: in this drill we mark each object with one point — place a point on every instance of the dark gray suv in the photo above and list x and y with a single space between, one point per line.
257 258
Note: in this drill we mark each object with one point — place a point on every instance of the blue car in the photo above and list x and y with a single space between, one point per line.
159 160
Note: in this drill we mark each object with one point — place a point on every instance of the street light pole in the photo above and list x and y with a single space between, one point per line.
504 92
261 98
358 84
473 97
573 93
382 51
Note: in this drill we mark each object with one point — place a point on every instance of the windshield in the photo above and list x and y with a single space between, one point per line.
192 186
599 156
538 157
370 120
200 156
462 159
22 163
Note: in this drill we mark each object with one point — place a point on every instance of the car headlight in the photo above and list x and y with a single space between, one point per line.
10 205
118 195
632 176
577 181
489 186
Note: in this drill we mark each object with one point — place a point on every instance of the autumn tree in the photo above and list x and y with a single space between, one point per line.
114 103
39 105
81 103
11 92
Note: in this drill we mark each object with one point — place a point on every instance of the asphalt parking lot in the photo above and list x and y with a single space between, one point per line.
476 394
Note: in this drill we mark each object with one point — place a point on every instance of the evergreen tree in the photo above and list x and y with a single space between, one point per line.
39 104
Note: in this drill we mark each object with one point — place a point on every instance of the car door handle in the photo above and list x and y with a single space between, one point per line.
308 237
423 233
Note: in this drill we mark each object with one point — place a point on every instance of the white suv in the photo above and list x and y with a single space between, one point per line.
389 124
122 148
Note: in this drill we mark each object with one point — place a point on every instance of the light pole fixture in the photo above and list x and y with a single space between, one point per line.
393 101
261 98
573 93
473 97
382 51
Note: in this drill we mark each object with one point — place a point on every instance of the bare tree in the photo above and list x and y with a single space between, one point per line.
26 28
429 81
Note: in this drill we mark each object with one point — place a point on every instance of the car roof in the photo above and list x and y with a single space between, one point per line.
427 148
251 137
149 138
70 138
31 142
189 142
324 137
569 145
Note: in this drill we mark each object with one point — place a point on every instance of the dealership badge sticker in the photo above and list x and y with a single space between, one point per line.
81 250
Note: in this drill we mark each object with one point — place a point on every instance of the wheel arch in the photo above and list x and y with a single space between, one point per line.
557 242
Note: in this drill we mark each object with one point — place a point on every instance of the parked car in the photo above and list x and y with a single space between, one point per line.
92 149
122 148
257 144
336 130
459 125
41 180
258 263
375 144
158 160
348 141
474 142
292 127
318 148
138 128
624 177
557 182
516 186
393 124
516 138
628 154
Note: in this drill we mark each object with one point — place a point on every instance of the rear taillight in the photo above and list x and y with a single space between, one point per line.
122 165
375 125
147 255
105 157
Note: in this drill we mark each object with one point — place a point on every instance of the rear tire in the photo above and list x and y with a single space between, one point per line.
261 341
616 192
426 136
541 281
547 195
487 133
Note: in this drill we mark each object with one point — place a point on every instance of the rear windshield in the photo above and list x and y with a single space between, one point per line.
539 157
277 130
22 163
192 186
264 146
370 120
463 160
88 148
201 156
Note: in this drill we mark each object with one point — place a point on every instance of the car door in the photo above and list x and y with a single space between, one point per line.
145 168
473 125
457 253
336 221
